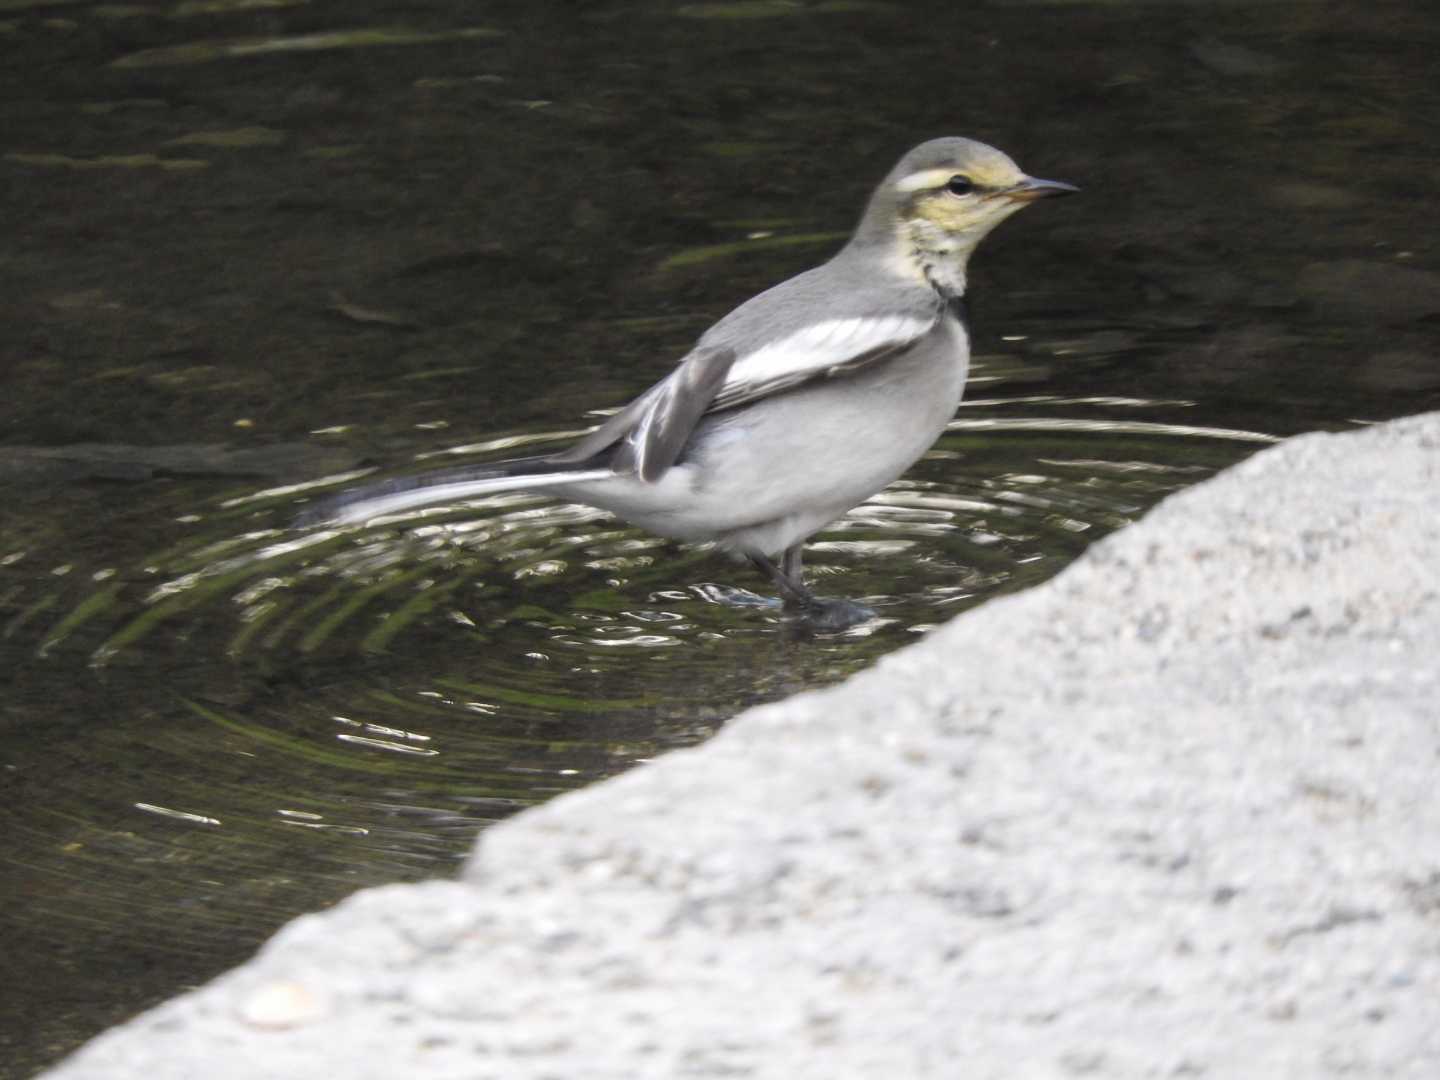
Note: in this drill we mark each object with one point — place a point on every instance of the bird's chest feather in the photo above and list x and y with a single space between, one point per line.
921 390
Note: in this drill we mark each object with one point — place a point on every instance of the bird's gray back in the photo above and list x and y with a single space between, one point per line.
840 289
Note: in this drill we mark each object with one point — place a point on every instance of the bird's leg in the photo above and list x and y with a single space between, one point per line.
792 589
819 612
793 563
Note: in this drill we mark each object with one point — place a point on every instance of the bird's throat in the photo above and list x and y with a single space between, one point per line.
945 276
938 257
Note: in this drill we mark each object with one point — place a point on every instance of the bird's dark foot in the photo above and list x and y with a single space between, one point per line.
829 614
811 611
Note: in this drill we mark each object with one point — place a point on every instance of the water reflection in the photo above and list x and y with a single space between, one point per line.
997 492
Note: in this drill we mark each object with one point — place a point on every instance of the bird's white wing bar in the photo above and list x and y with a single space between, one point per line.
823 348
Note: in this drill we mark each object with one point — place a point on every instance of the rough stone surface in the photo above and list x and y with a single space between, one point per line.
1173 814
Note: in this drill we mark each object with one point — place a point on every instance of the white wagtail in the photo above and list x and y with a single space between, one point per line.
800 404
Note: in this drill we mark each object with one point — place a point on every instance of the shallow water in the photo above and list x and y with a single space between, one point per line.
255 252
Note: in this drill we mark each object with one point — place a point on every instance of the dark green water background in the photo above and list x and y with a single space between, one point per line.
423 228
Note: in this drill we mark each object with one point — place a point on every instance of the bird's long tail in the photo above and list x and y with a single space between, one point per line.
358 505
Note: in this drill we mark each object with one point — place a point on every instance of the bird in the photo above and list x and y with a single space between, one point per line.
798 405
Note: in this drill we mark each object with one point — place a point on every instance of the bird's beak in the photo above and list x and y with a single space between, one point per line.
1032 188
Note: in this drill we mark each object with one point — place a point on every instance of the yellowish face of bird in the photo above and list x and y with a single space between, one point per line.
960 201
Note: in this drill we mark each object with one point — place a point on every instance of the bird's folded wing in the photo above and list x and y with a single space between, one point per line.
656 426
822 349
674 411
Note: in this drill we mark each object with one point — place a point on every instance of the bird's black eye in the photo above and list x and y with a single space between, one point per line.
959 185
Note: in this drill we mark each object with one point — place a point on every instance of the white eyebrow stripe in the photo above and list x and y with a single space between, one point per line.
824 345
925 178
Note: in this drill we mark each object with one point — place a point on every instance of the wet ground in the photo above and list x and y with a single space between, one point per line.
255 244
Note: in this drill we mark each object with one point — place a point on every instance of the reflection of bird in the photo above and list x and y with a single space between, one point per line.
799 404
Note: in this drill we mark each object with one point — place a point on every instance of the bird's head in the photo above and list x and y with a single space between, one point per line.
938 203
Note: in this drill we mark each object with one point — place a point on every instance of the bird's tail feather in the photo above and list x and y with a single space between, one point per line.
361 504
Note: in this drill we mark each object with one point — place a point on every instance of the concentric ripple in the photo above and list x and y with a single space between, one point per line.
999 502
